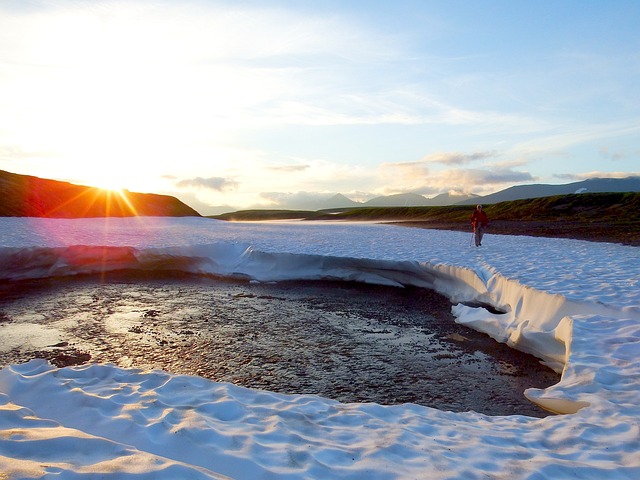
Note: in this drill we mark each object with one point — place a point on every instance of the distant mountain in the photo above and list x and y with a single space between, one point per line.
398 200
415 200
27 196
450 199
592 185
338 201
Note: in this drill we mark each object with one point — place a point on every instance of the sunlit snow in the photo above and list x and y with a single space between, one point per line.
574 304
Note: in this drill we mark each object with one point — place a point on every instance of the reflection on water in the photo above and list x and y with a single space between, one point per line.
350 342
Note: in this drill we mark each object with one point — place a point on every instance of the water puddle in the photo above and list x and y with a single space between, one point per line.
350 342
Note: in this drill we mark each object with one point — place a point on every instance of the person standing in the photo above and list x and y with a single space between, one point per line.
479 221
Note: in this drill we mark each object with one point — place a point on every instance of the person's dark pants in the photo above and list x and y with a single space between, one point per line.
479 235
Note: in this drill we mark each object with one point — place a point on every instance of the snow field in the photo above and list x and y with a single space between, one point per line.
573 304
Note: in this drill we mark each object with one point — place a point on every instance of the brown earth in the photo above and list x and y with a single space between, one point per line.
604 231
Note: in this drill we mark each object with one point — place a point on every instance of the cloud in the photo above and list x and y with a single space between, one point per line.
202 207
607 154
218 184
570 136
10 152
420 189
456 158
407 169
507 164
480 179
420 168
595 174
289 168
297 200
420 177
461 180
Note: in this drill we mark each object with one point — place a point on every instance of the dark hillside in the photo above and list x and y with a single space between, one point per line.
266 215
27 196
607 217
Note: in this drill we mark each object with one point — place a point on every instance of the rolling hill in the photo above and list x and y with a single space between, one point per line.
28 196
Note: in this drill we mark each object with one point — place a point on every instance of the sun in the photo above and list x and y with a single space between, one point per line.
112 190
117 199
107 183
116 173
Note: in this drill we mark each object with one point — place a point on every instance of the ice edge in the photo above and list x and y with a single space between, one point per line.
536 322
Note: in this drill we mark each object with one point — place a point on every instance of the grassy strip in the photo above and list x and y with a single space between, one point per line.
606 217
612 207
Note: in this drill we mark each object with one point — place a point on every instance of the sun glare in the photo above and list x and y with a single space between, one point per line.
117 199
112 190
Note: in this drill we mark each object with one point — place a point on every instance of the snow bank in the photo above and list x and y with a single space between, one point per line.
573 304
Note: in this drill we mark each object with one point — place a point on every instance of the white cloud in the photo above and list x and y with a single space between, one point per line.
595 174
288 168
457 158
218 184
415 177
482 180
405 170
295 200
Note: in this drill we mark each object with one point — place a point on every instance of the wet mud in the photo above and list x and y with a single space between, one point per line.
345 341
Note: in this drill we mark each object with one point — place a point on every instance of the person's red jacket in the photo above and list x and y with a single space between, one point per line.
478 217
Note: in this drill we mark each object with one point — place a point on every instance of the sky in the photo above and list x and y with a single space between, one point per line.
231 105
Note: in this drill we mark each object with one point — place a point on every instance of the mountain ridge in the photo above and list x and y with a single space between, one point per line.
541 190
517 192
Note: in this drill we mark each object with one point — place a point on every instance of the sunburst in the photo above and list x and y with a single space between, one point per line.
95 202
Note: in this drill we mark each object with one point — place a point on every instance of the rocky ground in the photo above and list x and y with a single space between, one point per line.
350 342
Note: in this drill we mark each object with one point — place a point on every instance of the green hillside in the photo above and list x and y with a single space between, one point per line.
591 216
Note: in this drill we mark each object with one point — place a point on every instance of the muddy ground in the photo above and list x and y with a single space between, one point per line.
350 342
594 231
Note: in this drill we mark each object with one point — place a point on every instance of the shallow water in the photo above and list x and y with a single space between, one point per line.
350 342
